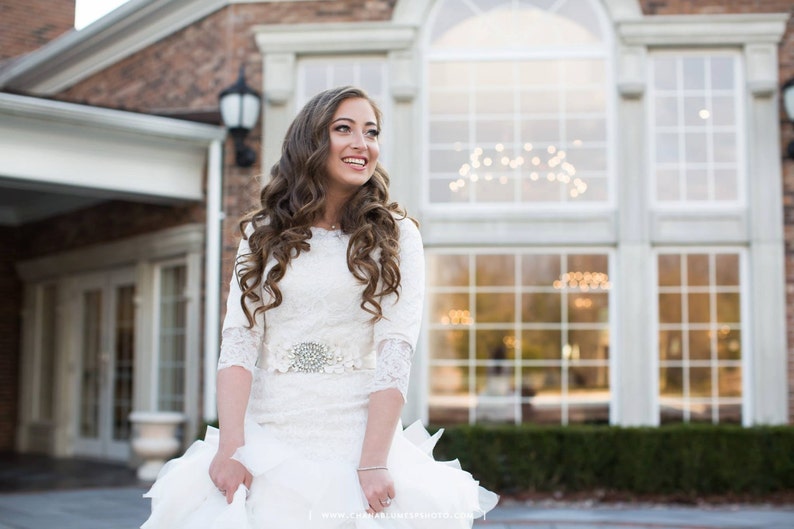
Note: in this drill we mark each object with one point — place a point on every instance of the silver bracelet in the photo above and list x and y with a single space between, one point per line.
372 468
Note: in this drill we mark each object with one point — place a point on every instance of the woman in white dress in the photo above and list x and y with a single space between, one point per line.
322 319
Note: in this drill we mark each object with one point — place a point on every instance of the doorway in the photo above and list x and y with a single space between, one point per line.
103 333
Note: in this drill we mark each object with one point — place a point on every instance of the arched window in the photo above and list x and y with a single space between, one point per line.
518 103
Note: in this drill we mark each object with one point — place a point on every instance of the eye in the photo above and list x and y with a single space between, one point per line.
342 128
373 133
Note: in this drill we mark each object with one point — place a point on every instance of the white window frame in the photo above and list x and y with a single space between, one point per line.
740 126
472 363
493 209
746 322
156 329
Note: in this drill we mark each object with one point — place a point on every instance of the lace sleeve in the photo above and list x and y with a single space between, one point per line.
393 367
241 345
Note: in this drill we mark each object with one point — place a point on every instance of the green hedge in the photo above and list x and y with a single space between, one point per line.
675 459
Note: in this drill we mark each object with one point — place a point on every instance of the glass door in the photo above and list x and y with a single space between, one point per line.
105 329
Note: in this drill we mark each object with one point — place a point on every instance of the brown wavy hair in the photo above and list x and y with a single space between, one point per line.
294 199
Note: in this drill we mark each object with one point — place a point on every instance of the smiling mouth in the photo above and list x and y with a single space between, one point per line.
358 162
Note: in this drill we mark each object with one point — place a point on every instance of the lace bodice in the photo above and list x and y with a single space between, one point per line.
320 326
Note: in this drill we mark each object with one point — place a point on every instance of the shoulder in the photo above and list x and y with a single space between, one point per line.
409 231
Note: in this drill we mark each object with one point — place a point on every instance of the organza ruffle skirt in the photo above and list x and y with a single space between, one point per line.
298 483
291 492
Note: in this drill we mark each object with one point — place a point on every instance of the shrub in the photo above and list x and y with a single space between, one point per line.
688 459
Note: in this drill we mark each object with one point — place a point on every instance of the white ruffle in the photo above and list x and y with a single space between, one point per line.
289 490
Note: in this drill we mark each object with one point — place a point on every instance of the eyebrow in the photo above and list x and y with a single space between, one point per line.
353 121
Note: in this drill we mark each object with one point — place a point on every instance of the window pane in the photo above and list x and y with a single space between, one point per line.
449 344
540 270
590 308
670 345
699 345
700 381
671 381
699 306
669 270
704 374
697 270
669 308
730 381
172 354
551 101
48 333
495 307
729 343
495 270
448 270
124 361
589 345
561 318
694 127
495 344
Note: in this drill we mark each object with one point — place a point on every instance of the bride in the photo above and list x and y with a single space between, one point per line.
322 319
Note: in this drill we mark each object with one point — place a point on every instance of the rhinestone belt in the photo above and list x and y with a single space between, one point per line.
310 357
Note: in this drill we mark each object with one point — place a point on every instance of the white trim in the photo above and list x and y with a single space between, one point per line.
121 33
703 30
212 279
336 37
108 119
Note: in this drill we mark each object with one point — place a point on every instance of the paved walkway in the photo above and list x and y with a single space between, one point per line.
123 508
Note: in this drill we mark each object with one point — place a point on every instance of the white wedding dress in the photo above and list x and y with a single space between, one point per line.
315 359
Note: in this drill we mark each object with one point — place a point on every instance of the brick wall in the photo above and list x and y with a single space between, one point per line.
10 303
102 223
26 25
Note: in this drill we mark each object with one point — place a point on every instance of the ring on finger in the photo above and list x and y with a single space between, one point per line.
385 502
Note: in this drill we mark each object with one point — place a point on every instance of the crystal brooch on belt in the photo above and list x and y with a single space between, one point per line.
309 357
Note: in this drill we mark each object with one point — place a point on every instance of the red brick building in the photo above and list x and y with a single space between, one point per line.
603 196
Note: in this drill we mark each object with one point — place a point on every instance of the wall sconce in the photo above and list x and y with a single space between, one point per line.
240 106
788 106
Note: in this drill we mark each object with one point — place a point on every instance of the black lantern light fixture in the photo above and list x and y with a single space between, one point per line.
788 106
239 106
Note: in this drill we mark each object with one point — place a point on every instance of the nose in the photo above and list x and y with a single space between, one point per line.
357 141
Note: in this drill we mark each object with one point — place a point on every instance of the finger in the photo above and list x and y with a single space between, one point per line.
229 495
375 505
391 491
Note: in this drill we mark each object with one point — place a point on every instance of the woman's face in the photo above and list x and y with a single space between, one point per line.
354 147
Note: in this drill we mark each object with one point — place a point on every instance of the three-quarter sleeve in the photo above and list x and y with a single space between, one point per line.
240 345
396 334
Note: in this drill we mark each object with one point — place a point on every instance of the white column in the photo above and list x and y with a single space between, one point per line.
766 384
212 293
405 172
634 379
279 96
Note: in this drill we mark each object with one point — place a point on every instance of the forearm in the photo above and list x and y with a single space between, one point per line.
234 388
383 414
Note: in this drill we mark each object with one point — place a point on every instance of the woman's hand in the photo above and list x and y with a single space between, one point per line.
227 474
378 488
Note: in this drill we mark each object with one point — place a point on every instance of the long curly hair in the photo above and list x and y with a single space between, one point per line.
294 199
